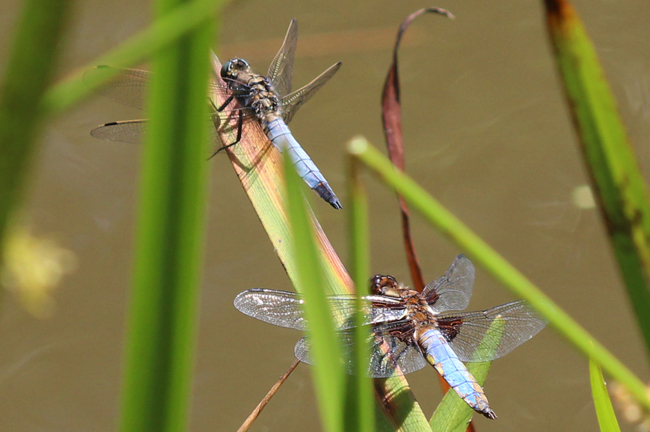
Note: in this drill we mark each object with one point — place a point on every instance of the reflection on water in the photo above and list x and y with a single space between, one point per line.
583 198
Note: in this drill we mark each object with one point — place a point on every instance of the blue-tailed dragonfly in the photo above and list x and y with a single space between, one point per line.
410 329
267 100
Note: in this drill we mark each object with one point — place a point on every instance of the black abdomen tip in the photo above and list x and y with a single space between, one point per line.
489 414
325 191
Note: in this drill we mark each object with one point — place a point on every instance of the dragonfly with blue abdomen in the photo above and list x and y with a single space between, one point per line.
409 329
248 97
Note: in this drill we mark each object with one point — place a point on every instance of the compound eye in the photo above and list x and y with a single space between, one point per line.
383 284
241 64
233 67
225 69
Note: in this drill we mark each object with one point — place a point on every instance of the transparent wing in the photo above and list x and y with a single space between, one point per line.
129 131
453 290
283 308
292 102
281 69
389 355
466 330
127 87
280 308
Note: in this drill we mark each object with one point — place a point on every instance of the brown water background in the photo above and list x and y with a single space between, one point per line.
486 132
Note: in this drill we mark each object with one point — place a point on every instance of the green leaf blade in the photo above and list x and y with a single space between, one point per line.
602 402
30 68
325 348
360 406
169 251
612 164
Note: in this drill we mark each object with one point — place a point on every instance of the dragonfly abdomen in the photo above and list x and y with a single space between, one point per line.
280 135
444 360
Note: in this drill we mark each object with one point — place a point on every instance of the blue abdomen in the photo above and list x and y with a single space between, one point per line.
442 357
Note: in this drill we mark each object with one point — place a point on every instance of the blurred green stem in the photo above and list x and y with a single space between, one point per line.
360 409
169 250
325 347
29 71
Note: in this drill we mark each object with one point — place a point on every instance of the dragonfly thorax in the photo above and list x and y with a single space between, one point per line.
254 91
263 99
417 308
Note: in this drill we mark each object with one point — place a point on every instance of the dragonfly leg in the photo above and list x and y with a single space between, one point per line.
226 103
399 354
389 358
240 123
396 355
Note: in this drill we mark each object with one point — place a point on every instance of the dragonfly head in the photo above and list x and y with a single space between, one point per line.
233 68
384 285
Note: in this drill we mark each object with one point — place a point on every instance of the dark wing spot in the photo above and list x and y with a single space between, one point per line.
450 327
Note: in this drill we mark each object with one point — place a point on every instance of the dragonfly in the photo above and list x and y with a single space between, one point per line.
409 329
249 98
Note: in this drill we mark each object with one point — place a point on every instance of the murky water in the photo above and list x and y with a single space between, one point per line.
486 132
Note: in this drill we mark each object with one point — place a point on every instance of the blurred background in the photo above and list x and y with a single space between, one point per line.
486 131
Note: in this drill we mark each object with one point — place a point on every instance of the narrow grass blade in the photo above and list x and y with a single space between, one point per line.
453 414
501 269
258 409
360 407
163 32
604 409
621 189
399 409
329 375
29 70
164 313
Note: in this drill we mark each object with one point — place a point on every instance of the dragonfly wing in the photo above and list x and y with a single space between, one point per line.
132 131
389 355
127 86
280 308
129 131
453 290
284 309
375 309
281 68
292 102
466 331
